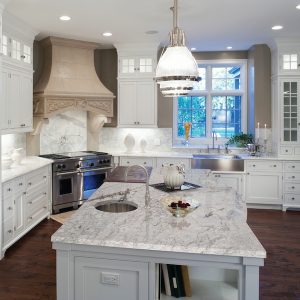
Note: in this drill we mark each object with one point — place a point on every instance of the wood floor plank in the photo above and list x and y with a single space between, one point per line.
28 270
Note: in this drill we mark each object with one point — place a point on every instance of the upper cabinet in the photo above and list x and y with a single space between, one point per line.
286 58
16 76
286 99
137 92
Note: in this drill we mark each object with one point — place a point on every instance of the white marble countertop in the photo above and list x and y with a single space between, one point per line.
217 227
28 164
155 154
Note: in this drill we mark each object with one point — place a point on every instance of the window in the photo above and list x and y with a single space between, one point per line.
290 62
216 105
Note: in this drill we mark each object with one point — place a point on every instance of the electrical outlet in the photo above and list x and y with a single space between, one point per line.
110 278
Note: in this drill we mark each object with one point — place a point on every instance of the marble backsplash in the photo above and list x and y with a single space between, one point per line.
65 132
9 142
157 139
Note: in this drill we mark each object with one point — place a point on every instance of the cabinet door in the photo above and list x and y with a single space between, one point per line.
127 103
290 111
26 102
4 100
145 103
97 278
19 212
13 99
234 181
264 188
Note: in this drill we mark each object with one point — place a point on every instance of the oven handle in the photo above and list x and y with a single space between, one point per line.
95 170
66 173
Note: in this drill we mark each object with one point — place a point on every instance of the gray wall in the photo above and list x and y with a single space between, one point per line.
106 65
259 87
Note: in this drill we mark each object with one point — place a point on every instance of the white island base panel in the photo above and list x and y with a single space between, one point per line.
90 273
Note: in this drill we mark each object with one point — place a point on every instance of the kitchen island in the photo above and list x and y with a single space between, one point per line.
102 255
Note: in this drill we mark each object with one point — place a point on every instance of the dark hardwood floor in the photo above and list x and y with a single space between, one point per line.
28 269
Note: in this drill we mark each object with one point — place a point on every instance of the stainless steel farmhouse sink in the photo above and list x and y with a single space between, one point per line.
218 162
116 206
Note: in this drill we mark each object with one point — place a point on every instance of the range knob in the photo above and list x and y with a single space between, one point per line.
92 164
63 166
78 166
107 161
101 161
58 166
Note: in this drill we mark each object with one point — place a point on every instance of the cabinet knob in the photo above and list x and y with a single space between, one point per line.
293 198
23 125
254 165
145 163
44 176
20 184
30 202
286 151
293 187
45 193
9 189
9 208
293 177
23 56
24 193
9 231
293 167
127 162
29 183
45 207
274 166
30 218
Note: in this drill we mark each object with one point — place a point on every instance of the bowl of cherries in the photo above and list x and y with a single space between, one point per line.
178 206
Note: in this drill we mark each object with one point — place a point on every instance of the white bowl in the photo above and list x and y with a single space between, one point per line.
6 163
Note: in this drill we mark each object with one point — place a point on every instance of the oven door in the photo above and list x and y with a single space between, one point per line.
64 188
89 181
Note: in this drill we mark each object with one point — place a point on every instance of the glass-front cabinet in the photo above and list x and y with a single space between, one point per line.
136 66
290 111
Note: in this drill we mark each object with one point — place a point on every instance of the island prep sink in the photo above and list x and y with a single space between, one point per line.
218 162
116 206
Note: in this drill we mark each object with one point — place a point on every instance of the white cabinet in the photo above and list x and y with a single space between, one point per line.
137 103
130 161
25 202
97 278
17 100
137 91
291 185
264 182
130 66
17 50
233 180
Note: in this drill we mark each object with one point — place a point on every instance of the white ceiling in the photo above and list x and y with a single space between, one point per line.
208 24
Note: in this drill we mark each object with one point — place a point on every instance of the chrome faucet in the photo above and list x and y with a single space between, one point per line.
147 195
214 135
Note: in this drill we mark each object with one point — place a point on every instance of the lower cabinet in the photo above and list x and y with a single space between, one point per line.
264 182
97 278
235 181
25 203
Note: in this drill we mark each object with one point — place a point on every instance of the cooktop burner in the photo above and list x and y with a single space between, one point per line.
72 154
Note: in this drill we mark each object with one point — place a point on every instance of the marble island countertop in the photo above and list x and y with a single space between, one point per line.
28 164
217 227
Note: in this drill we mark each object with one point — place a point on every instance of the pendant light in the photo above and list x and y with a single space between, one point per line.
177 69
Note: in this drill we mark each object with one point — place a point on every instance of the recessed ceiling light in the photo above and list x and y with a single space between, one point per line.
151 32
65 18
107 34
298 6
193 49
277 27
228 47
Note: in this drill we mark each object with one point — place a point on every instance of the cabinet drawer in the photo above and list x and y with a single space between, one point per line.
292 199
19 183
8 230
292 187
286 150
7 189
269 166
36 180
36 201
8 208
36 215
292 177
175 160
292 166
129 161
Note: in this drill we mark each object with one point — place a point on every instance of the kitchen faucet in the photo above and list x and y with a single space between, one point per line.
147 195
214 134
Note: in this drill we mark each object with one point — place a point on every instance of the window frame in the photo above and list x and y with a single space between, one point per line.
208 93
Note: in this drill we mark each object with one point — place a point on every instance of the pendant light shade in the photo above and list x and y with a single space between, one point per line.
177 69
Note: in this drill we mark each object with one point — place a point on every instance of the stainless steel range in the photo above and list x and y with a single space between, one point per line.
76 175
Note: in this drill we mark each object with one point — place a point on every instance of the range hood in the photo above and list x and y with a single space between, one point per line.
69 81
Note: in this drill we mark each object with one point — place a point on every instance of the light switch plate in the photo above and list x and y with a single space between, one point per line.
110 278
